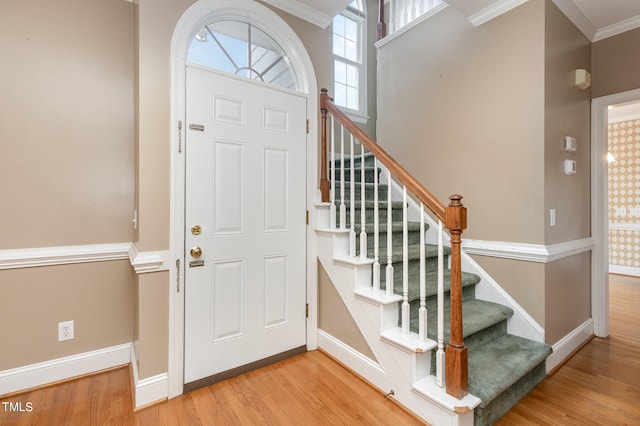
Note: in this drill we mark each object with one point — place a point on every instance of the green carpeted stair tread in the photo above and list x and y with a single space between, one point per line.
468 279
396 228
413 252
477 315
368 160
499 364
370 204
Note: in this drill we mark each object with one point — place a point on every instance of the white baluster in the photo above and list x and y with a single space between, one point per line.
363 211
440 379
414 11
352 232
376 229
422 326
332 209
389 271
405 264
343 207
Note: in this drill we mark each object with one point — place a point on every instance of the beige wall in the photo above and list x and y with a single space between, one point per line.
151 324
567 113
67 167
335 319
98 297
462 108
567 295
616 64
66 156
522 280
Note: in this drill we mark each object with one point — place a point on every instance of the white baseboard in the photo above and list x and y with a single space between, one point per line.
624 270
362 365
149 390
42 373
568 344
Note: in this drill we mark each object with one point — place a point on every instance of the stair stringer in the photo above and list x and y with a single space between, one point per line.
521 323
401 369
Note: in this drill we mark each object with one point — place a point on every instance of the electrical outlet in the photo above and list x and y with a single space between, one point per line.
65 331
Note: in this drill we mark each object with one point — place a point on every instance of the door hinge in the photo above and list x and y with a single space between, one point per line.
307 125
179 136
307 217
307 311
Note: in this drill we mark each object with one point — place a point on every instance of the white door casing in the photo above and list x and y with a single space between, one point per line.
198 14
245 189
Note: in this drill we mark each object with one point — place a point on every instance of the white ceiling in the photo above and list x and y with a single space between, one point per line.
597 19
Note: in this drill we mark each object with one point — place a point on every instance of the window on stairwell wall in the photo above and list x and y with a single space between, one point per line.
349 61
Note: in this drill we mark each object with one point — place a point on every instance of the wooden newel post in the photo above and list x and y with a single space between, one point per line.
382 26
324 181
456 354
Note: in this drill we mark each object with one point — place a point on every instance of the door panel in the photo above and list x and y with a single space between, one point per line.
246 188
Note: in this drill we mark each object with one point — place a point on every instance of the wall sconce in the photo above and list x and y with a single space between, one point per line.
610 158
582 79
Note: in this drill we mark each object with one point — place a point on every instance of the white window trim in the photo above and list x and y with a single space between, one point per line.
361 115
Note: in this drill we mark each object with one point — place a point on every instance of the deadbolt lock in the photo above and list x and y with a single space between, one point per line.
196 229
196 252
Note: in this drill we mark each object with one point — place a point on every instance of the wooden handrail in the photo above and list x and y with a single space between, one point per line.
392 165
454 218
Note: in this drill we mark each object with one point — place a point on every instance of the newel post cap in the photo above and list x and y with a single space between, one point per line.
455 218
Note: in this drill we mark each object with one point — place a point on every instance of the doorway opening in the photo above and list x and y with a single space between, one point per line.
600 108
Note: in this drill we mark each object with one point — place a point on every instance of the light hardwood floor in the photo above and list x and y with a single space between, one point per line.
308 389
600 385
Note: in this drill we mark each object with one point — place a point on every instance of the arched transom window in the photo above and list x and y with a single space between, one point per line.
242 49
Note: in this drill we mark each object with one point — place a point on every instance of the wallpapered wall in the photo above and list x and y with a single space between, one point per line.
624 194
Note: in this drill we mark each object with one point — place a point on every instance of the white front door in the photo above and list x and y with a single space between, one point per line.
245 210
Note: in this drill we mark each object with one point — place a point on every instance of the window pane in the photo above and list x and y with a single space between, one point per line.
340 72
352 98
351 51
338 46
338 25
351 30
352 76
340 94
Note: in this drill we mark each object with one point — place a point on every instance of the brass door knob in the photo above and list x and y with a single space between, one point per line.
196 252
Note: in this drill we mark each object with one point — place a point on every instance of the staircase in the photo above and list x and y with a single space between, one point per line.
502 367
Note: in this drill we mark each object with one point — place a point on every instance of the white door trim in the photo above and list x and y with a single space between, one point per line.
599 207
201 13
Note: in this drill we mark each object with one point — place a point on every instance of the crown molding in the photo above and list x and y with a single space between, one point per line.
615 29
302 11
496 9
578 18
